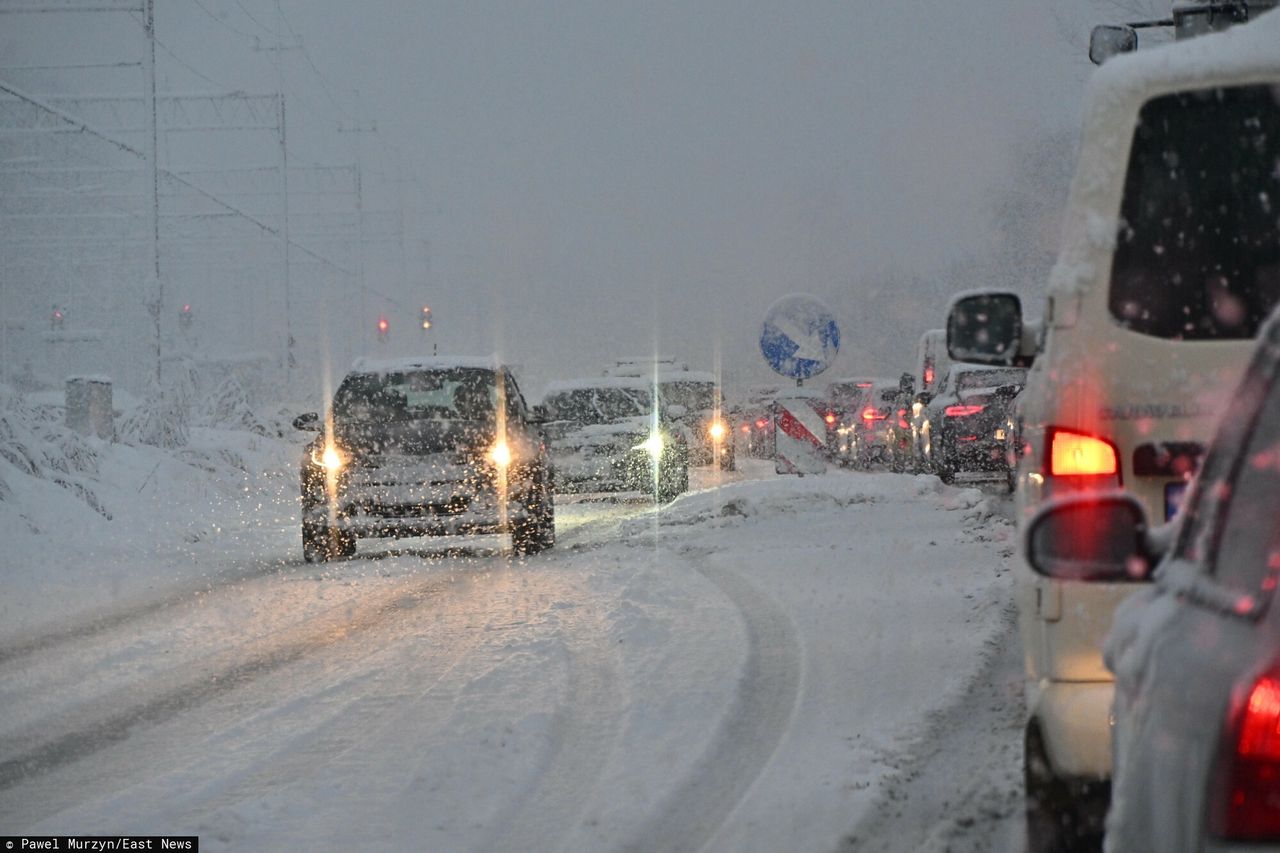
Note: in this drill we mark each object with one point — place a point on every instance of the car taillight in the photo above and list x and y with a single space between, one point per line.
1075 454
830 418
1245 800
871 413
962 411
761 424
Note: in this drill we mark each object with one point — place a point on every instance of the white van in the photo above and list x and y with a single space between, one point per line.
1169 264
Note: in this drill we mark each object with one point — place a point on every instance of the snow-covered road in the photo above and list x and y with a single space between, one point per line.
766 664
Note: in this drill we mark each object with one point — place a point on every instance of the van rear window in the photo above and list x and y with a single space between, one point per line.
1198 252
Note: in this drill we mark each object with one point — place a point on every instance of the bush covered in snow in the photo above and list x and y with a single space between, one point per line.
38 447
161 420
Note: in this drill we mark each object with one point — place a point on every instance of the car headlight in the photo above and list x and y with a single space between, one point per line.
328 457
717 430
652 445
500 454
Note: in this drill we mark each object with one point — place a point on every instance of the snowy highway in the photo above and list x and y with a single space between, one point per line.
767 663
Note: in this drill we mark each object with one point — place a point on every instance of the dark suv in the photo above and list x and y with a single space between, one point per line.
427 447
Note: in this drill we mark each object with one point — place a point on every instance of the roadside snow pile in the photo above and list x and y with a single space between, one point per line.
90 524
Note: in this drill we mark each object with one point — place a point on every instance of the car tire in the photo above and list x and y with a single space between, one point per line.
321 543
537 533
1061 817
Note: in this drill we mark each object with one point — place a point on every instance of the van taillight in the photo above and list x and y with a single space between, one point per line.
1244 804
871 413
1074 454
961 411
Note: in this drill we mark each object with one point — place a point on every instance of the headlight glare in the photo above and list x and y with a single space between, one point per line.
652 445
500 454
329 457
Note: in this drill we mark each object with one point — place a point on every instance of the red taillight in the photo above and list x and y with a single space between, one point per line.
746 427
1074 454
962 411
1245 801
761 424
871 413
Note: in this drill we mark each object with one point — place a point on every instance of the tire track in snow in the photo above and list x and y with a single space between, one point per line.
958 789
83 731
693 813
584 734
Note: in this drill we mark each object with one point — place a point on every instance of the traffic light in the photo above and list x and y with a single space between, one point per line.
184 317
426 318
384 328
57 321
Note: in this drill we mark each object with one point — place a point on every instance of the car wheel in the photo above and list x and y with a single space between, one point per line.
537 532
321 543
1061 817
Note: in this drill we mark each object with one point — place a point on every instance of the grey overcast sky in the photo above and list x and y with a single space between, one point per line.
591 179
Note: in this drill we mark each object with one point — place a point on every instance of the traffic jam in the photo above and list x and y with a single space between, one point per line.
1112 435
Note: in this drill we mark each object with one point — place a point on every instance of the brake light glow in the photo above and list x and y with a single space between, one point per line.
1073 454
871 413
962 411
829 417
1247 784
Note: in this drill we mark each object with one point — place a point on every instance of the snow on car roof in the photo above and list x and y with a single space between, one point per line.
687 376
442 362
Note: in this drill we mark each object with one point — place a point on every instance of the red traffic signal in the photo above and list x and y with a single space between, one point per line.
383 327
426 317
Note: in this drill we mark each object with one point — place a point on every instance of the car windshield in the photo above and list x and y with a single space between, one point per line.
694 396
466 394
1198 253
598 405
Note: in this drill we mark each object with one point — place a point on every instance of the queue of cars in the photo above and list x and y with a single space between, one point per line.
1101 415
1169 265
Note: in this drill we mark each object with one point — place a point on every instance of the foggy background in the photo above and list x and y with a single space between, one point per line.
561 182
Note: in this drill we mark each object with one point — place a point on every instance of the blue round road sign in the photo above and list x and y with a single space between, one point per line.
800 337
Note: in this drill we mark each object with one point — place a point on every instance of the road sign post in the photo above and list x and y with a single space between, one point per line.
799 340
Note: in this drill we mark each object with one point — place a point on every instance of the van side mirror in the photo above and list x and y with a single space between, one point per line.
1107 41
309 422
985 328
1101 538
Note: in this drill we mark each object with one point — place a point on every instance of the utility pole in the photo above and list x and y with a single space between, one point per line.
358 128
157 307
276 50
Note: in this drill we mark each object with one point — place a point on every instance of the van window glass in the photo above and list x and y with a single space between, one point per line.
1247 538
1198 251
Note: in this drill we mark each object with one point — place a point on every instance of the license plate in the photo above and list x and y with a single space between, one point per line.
1173 496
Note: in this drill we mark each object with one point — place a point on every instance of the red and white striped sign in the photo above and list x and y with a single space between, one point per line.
799 436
